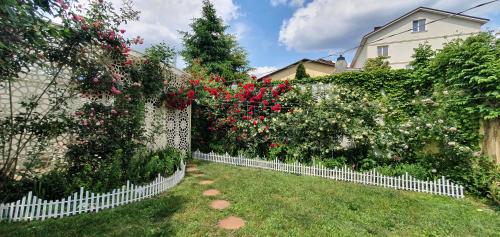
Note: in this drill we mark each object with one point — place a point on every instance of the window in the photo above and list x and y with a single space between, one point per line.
419 25
383 51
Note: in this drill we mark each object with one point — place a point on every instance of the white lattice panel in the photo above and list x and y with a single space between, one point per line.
164 127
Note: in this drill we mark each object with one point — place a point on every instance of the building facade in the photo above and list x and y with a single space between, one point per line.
397 39
314 68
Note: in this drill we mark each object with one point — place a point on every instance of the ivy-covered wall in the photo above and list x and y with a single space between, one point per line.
396 88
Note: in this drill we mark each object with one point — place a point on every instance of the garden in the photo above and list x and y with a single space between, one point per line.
103 115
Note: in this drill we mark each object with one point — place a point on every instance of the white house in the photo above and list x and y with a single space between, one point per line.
422 25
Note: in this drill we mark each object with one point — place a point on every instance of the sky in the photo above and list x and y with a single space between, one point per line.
276 33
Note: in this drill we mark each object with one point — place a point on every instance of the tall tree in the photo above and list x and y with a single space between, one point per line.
301 72
216 50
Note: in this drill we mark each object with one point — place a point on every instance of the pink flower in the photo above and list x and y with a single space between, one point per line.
113 111
111 35
78 18
117 76
95 80
115 91
129 62
122 31
138 40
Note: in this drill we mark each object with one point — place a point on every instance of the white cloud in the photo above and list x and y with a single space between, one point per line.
293 3
261 71
239 30
161 20
332 24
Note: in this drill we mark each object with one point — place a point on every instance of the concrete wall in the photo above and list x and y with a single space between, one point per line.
312 68
401 46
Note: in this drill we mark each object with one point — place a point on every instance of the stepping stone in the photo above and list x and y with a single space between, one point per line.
198 175
207 181
192 169
211 193
231 223
192 166
219 204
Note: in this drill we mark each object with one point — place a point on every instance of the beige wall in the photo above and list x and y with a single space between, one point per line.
490 145
401 46
313 69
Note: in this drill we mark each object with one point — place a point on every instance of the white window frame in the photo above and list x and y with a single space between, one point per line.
419 25
383 51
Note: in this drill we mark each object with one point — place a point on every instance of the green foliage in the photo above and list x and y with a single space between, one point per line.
141 167
471 69
107 139
393 88
160 53
429 117
320 129
301 72
422 56
145 166
26 33
416 170
423 76
217 51
378 63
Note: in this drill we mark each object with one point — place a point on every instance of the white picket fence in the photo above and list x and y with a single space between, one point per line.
31 207
441 186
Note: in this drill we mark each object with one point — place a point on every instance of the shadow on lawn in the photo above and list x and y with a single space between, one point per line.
150 217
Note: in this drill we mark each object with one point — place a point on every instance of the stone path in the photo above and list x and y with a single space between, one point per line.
230 223
207 181
219 204
211 193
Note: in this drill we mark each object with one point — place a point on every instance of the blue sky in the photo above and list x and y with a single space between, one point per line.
276 33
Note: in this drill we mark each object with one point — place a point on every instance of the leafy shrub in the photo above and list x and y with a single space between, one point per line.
340 123
145 166
416 170
142 167
335 162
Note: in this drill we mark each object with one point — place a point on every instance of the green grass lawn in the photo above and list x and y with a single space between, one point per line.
277 204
